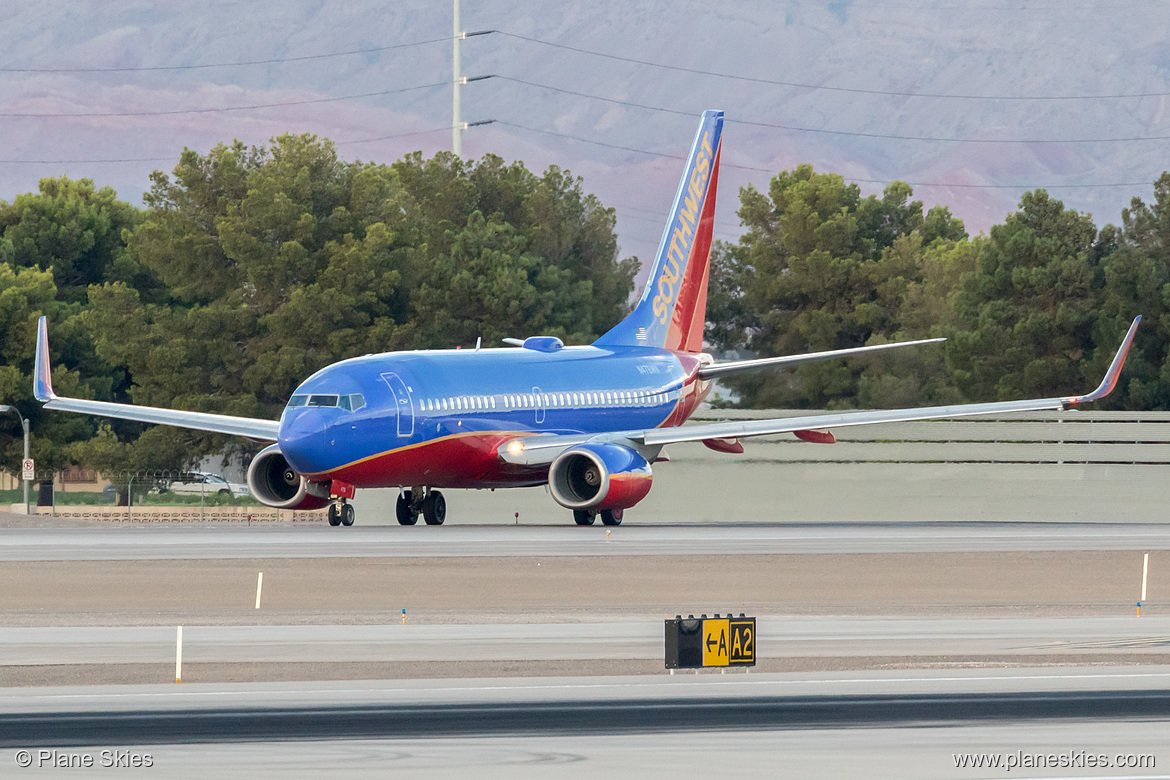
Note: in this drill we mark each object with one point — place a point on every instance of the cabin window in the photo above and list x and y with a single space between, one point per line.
322 400
493 402
298 400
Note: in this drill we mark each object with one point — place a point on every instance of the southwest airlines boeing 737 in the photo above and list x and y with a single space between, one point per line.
588 421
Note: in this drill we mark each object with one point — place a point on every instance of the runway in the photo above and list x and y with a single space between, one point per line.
201 542
978 607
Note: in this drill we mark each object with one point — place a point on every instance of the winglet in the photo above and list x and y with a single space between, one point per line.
42 372
1110 380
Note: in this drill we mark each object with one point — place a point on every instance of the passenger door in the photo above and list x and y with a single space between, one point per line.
403 404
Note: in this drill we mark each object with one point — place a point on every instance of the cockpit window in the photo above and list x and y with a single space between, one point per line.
350 403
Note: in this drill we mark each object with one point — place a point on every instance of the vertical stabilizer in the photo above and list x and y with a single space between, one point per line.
673 308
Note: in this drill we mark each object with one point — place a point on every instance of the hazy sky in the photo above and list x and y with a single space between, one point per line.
972 102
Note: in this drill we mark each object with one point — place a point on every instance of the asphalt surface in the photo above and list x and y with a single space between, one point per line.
1015 593
632 639
201 542
901 752
146 715
612 716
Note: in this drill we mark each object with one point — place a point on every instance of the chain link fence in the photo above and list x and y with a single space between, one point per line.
153 495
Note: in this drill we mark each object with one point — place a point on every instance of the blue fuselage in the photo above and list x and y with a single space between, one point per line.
435 417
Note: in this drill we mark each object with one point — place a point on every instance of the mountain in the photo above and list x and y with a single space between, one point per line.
983 62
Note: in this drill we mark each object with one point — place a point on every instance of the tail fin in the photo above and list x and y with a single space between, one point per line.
673 309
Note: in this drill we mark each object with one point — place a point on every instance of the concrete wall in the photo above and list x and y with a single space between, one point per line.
1092 467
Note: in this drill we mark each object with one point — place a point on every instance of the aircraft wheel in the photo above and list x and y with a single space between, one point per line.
612 516
583 517
334 517
348 514
434 508
404 510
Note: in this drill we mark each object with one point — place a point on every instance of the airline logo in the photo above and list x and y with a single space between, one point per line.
683 236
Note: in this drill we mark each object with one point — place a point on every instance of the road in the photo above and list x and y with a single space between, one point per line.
195 542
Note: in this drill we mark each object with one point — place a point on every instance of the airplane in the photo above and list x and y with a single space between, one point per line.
587 421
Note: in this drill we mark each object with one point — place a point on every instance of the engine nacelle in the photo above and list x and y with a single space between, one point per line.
274 483
599 475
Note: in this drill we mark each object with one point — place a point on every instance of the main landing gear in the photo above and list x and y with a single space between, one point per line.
608 516
341 513
425 501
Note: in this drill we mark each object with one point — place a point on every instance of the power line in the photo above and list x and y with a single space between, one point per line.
87 162
821 87
241 63
226 108
166 159
797 129
448 129
847 178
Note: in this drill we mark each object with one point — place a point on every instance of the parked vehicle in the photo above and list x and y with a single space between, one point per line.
197 483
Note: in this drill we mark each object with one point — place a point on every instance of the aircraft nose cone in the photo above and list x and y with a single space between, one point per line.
302 440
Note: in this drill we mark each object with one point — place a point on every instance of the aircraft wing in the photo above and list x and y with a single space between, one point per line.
544 449
735 430
739 366
200 421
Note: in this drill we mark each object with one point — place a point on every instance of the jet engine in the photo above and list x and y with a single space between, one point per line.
600 476
274 483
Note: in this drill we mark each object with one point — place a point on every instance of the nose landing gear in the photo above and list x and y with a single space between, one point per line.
341 512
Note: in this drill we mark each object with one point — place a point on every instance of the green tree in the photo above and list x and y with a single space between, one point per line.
74 231
1031 304
278 260
818 268
1137 281
26 294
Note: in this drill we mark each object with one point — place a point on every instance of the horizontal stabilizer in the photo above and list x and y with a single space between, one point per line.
739 366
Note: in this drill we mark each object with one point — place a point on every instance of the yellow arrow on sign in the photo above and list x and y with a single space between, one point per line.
715 636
